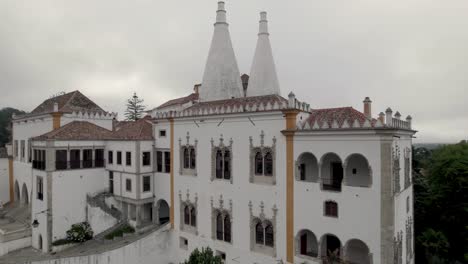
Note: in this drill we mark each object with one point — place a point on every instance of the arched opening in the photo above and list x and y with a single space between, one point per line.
331 172
227 165
269 235
193 163
24 194
259 163
193 217
186 158
307 167
259 235
268 164
187 215
330 246
219 226
306 244
358 171
39 242
219 164
17 192
357 252
227 228
163 212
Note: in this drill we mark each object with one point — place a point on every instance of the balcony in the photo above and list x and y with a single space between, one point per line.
79 164
38 164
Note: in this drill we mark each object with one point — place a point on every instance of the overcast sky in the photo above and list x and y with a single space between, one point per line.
411 55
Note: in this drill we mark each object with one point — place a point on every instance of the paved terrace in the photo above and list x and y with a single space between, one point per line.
95 246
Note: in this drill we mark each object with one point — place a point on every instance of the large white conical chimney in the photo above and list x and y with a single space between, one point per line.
221 79
263 79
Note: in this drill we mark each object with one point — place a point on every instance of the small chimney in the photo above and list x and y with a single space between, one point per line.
196 88
409 119
55 107
245 83
388 116
397 115
367 107
114 123
382 117
221 14
292 100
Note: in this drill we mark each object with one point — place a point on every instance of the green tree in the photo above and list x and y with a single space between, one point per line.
205 256
441 206
135 108
5 127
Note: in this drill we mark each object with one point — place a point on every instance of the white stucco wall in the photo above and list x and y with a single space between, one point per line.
13 245
241 191
69 196
157 248
4 182
99 220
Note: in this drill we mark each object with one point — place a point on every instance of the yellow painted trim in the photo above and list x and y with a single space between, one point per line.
171 213
56 120
11 179
289 133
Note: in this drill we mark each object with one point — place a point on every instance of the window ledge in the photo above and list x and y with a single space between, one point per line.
188 172
263 249
266 180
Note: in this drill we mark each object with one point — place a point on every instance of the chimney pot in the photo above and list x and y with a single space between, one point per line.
397 115
382 117
55 107
388 117
367 107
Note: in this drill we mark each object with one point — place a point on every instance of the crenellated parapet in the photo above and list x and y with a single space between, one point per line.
237 105
92 115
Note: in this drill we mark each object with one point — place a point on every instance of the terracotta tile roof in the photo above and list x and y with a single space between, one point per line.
137 130
77 130
83 130
246 102
179 101
343 117
70 102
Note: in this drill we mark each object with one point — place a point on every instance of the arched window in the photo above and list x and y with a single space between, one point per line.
268 164
227 165
192 158
186 158
187 215
227 228
269 236
219 227
258 163
219 164
193 217
259 235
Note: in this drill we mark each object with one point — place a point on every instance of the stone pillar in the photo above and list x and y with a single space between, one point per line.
138 215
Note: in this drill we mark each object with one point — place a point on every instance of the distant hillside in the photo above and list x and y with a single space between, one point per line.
5 118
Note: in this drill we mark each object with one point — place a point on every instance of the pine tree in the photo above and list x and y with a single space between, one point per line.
135 108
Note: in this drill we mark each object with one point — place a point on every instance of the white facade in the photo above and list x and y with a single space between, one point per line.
4 182
259 179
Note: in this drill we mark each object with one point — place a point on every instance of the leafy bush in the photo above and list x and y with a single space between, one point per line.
80 232
203 257
120 231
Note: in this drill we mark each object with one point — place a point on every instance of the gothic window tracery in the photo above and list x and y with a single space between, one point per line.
407 167
396 170
263 230
222 221
222 160
188 214
188 156
262 161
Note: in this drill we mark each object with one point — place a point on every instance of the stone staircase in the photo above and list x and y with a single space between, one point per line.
100 201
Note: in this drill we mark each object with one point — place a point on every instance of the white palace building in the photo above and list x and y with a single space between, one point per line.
257 177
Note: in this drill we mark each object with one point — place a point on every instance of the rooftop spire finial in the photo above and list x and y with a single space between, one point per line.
263 79
221 14
221 78
263 25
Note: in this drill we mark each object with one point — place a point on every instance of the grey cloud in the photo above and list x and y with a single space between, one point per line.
410 55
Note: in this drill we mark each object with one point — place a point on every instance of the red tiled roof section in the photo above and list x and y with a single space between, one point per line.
77 130
342 114
69 102
178 101
137 130
243 101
